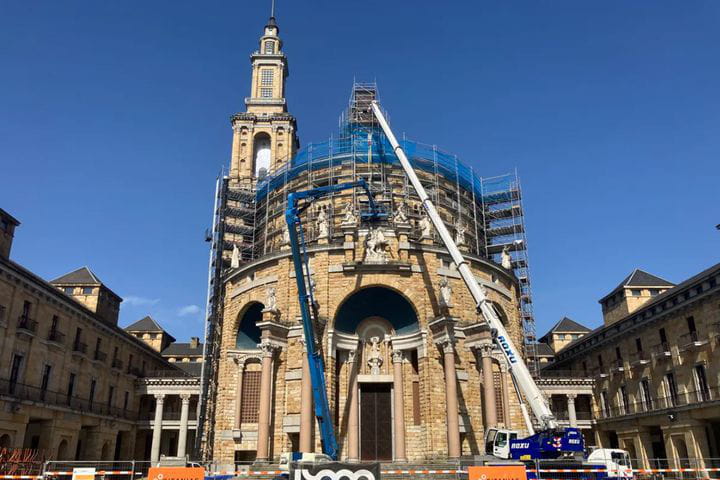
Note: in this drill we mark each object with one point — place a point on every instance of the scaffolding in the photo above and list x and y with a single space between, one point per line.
249 216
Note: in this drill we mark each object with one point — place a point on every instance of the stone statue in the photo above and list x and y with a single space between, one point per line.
400 216
235 259
375 246
349 218
445 293
460 234
322 225
505 258
270 300
375 360
425 227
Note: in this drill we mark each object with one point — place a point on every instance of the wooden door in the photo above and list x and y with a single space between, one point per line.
375 422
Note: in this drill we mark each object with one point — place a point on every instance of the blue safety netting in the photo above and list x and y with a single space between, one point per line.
354 147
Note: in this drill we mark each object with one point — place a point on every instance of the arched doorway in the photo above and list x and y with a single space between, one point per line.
375 314
5 441
62 450
261 154
248 333
105 452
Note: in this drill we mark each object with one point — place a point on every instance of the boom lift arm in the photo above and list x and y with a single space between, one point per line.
308 309
521 374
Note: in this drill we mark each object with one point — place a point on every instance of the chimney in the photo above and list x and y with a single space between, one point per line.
7 232
194 342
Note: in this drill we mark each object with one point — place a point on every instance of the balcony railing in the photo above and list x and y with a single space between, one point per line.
55 336
661 350
100 356
639 357
696 398
117 364
691 339
27 392
27 323
80 347
618 365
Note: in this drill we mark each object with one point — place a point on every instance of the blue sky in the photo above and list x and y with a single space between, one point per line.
114 122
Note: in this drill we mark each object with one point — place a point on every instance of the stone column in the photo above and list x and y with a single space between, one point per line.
352 398
572 416
398 402
157 428
238 395
306 405
184 412
451 399
488 385
263 438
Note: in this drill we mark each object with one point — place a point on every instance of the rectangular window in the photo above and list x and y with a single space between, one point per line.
126 400
618 355
250 401
71 387
645 394
499 405
26 309
266 92
600 361
654 291
623 400
45 381
266 77
2 312
671 391
638 344
15 371
91 397
701 383
604 404
68 290
636 293
87 290
663 337
691 324
130 362
111 394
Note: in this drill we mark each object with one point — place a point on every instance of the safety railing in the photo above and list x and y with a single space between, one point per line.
27 323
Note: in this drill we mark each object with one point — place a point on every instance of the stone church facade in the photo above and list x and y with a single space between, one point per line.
411 371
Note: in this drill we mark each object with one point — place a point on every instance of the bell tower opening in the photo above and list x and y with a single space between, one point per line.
262 155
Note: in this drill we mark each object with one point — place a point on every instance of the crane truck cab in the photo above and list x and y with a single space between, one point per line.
617 462
497 442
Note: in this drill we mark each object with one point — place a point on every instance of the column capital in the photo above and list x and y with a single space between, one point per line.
351 356
571 396
159 397
185 397
486 349
397 356
268 348
448 346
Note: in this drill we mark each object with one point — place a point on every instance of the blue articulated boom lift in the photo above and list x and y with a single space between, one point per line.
297 203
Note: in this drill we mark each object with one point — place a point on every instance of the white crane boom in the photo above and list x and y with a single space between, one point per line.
519 370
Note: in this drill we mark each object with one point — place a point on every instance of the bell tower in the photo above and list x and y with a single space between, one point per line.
264 136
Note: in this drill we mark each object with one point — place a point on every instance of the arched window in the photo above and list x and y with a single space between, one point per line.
261 154
269 47
248 334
